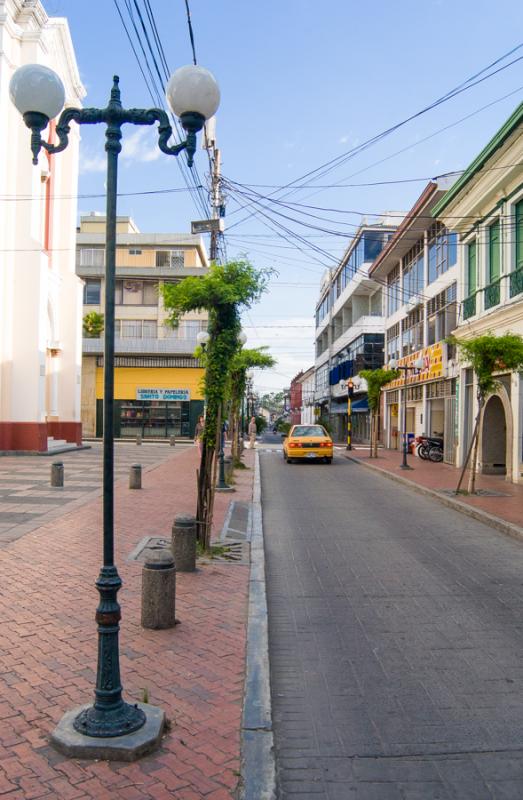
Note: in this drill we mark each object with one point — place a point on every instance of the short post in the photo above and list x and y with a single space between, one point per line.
228 469
184 542
221 472
172 441
138 438
135 476
57 474
158 590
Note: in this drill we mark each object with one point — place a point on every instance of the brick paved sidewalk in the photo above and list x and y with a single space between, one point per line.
505 500
48 657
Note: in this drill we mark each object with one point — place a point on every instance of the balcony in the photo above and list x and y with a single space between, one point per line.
492 294
130 346
469 306
516 282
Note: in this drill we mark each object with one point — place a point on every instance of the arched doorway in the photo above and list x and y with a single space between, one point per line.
494 438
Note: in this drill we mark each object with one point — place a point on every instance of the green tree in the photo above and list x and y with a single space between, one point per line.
486 354
242 361
93 325
376 379
223 292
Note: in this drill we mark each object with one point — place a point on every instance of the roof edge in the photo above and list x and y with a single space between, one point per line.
490 148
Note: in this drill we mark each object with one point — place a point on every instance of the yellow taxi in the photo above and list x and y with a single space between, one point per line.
307 442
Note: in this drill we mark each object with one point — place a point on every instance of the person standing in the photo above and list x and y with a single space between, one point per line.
251 430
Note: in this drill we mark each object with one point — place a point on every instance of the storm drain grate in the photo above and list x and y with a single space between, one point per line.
480 492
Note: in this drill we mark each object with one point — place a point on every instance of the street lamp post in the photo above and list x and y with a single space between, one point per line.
39 95
350 385
417 365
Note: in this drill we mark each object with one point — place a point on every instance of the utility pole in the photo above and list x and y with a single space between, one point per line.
216 196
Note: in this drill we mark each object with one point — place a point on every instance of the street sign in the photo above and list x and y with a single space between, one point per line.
207 226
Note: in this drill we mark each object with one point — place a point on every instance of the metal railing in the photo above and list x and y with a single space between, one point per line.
516 282
492 294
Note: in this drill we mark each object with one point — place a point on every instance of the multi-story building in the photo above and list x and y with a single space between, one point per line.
349 328
295 399
307 415
418 274
157 389
485 207
40 294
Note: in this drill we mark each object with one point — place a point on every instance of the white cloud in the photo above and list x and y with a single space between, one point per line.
289 340
95 163
141 145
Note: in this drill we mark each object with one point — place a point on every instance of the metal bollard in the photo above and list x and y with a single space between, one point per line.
57 474
138 438
184 542
158 590
172 441
135 476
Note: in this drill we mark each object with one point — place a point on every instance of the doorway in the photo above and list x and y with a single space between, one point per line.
494 438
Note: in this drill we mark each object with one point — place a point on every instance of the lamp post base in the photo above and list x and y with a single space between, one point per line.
128 747
405 466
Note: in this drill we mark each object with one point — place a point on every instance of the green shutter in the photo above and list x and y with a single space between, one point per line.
519 235
471 252
494 252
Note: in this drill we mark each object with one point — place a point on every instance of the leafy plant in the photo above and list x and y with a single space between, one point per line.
244 360
376 379
223 291
93 325
486 354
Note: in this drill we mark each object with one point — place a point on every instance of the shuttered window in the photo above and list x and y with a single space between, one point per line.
494 252
519 235
471 268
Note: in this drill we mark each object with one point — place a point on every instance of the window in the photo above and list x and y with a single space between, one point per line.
494 251
413 278
471 268
92 292
169 258
393 342
442 315
323 309
187 329
393 291
134 252
412 336
136 293
136 329
443 250
92 256
322 378
519 235
375 241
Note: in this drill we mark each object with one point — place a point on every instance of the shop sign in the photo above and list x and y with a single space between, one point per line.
433 366
167 395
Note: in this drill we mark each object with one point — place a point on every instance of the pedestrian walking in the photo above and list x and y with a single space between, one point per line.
252 430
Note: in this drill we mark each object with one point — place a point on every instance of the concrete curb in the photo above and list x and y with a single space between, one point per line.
508 528
258 767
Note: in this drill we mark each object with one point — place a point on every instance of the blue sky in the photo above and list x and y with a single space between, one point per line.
303 82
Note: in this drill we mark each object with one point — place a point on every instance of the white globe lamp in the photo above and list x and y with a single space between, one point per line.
193 95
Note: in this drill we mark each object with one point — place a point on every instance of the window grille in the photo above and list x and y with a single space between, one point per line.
92 256
392 397
152 361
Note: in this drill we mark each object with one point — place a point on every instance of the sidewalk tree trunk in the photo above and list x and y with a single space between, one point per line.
376 379
223 292
487 355
243 360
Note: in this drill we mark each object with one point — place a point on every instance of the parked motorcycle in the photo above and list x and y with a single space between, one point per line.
430 448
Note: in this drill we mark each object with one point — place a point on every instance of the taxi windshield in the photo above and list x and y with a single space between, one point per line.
308 430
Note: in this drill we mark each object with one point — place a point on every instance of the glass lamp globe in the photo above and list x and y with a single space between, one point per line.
393 363
38 89
242 338
193 90
202 338
419 363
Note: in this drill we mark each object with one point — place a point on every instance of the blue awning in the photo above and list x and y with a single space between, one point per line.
359 406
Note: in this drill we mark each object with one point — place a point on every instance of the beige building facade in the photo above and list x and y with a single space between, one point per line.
485 208
158 392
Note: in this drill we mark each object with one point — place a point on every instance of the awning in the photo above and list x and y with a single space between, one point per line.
359 406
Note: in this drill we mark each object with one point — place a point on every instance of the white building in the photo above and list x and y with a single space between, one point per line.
485 207
40 294
307 397
349 328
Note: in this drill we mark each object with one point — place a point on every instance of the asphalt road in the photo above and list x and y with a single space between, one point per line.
395 637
